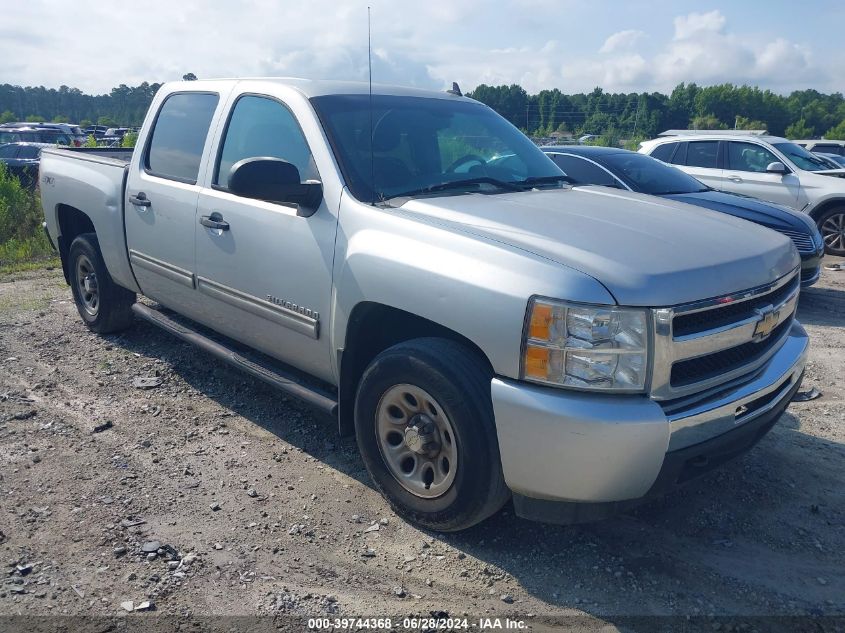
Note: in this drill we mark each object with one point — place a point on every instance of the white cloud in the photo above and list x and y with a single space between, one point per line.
687 26
427 44
622 40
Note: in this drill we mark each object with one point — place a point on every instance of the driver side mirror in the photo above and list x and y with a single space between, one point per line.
777 168
275 180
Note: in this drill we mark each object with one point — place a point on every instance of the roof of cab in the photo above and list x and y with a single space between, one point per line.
322 87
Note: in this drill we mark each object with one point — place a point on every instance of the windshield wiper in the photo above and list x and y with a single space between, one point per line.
543 180
458 184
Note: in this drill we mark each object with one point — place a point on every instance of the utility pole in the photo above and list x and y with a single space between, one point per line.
636 118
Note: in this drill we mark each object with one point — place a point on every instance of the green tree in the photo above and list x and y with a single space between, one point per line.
744 123
7 117
836 132
107 121
61 118
90 141
34 118
129 139
707 122
799 129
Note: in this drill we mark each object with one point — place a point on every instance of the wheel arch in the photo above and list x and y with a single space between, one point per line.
372 328
818 211
72 222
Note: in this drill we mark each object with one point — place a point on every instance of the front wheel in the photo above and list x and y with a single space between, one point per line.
103 305
832 227
425 428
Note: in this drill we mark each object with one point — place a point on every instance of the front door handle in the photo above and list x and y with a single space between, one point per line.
734 178
140 200
214 221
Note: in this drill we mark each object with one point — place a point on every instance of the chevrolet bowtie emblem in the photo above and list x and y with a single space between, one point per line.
769 319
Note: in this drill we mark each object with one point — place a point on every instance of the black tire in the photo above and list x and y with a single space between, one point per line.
112 309
832 224
460 383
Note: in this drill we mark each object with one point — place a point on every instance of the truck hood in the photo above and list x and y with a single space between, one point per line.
646 251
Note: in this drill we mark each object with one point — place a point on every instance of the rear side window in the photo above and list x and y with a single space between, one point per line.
8 151
29 151
583 172
829 149
179 136
263 127
664 152
702 154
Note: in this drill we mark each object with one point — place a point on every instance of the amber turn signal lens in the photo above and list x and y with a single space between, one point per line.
537 362
541 320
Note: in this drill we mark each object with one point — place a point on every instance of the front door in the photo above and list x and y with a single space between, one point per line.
745 173
266 278
161 200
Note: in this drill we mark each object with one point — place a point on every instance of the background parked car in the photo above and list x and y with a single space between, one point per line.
32 134
73 132
21 160
836 158
765 167
823 146
96 131
622 169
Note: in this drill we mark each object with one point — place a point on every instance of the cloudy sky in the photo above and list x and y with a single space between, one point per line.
574 45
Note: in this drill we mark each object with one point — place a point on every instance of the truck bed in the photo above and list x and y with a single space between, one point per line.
91 180
115 155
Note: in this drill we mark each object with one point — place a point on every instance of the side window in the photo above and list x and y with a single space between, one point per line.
8 151
749 157
828 149
260 126
179 136
664 152
702 154
583 172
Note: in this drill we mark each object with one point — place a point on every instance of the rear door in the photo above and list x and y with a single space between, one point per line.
746 173
265 279
701 160
161 199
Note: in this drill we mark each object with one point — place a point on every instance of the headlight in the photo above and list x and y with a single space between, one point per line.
586 347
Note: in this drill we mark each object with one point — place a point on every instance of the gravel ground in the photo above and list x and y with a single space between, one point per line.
211 495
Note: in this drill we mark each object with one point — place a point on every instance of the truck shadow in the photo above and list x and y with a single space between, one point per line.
751 537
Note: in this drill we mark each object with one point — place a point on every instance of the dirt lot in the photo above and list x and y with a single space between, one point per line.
260 509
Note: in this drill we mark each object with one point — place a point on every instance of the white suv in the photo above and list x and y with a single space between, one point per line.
766 167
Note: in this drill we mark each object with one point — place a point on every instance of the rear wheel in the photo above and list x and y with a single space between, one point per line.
832 227
425 428
103 305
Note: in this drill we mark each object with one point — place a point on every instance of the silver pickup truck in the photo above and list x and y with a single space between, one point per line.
411 264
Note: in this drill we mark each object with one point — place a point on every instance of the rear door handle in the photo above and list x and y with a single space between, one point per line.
214 221
140 200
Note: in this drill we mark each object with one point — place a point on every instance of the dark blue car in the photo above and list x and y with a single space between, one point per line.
611 167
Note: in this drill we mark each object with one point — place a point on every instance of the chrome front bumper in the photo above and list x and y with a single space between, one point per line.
565 446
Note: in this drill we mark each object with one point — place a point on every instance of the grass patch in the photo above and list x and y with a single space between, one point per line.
31 264
22 239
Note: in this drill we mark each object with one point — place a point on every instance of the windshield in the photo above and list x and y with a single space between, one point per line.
802 158
648 175
426 145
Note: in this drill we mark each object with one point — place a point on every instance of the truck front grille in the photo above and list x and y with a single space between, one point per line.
690 371
725 314
700 346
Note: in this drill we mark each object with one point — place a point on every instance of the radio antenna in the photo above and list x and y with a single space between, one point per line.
370 67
